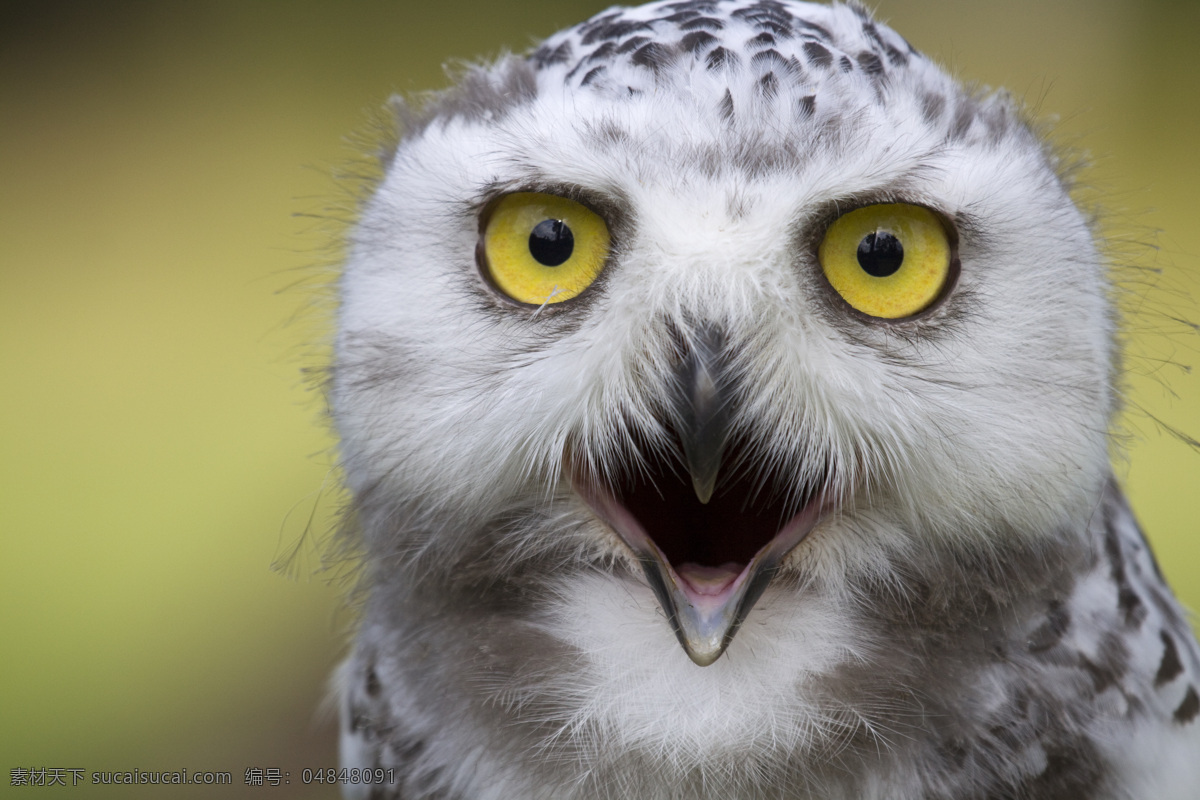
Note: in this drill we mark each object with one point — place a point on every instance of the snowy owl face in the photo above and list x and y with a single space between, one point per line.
716 297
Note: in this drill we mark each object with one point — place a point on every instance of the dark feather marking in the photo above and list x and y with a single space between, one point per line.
870 63
846 64
1170 666
727 105
697 41
806 106
964 115
680 16
545 57
996 121
1050 632
1128 600
1188 708
720 57
597 22
1131 606
592 75
932 106
703 23
653 56
632 43
767 17
896 57
1072 771
614 29
607 133
860 10
1154 561
822 32
1109 665
602 52
1162 600
767 59
762 40
818 54
768 85
701 6
580 64
771 60
783 29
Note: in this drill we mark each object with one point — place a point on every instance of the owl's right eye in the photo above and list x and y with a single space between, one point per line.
542 248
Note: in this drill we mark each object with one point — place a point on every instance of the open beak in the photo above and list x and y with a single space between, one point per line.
707 555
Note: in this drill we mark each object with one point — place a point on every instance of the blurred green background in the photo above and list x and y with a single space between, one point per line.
169 209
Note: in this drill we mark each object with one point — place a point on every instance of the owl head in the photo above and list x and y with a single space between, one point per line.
721 299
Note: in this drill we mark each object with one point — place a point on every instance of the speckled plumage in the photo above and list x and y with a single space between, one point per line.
977 616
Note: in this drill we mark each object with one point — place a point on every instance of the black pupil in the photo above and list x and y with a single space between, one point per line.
880 254
551 242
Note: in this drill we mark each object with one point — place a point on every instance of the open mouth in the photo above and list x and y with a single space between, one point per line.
708 563
710 548
707 542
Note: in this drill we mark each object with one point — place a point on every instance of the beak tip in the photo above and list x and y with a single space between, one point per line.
704 487
704 656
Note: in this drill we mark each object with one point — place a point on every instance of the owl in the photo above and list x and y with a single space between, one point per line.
724 394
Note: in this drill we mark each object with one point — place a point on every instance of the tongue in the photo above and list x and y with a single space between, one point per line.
709 590
709 581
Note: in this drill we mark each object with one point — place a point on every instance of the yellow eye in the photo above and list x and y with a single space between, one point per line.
889 260
541 248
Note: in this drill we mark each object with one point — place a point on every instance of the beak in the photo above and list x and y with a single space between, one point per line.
705 605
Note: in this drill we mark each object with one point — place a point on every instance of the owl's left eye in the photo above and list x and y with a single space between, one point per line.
890 260
541 248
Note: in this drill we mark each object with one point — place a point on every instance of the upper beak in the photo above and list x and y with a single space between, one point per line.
702 407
